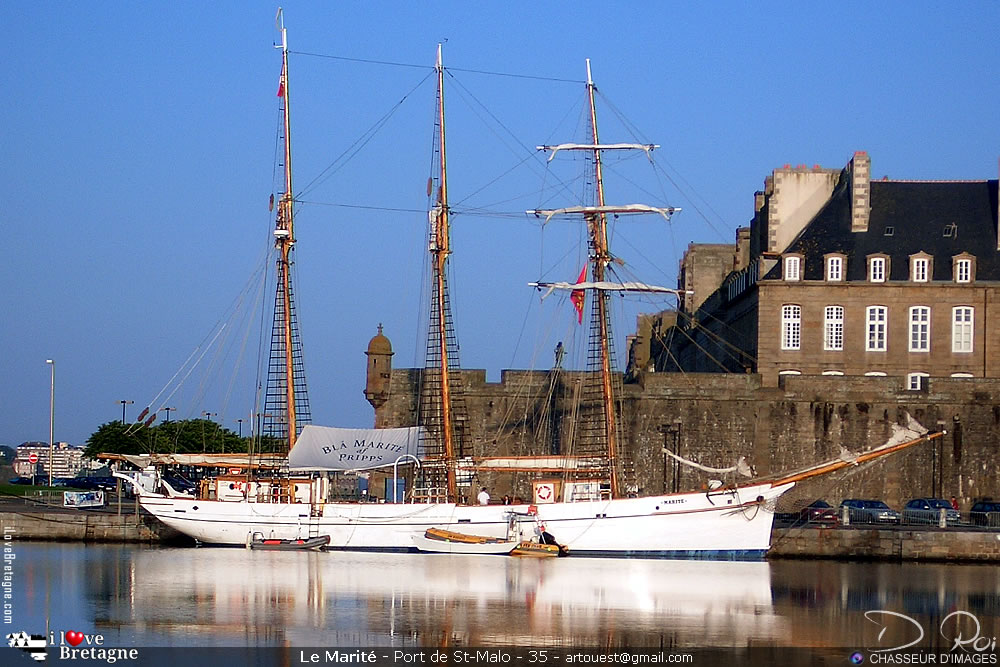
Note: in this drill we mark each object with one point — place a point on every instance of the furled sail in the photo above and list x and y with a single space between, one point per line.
329 448
597 147
607 286
548 214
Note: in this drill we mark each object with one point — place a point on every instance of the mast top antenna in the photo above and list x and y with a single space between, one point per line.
279 23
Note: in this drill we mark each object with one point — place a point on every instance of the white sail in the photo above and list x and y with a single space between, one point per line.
666 212
328 448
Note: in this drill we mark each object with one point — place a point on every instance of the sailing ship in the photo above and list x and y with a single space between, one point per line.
595 512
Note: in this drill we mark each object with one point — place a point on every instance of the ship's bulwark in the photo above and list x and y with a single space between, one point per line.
715 418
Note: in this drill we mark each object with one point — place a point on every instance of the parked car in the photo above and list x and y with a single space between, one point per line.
818 512
928 511
95 483
869 511
986 513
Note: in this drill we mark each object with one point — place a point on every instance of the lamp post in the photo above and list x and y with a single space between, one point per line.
208 416
124 403
167 410
52 410
240 422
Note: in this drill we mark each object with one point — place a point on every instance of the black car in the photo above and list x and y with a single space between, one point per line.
869 511
95 483
986 513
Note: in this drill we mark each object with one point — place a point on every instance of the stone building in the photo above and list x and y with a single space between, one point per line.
67 460
846 306
842 275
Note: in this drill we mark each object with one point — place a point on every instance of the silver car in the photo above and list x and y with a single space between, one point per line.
928 511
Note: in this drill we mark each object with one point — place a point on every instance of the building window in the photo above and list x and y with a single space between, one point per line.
920 325
792 268
833 372
791 327
961 328
916 381
962 375
963 271
875 374
833 328
876 272
919 269
789 372
877 318
834 268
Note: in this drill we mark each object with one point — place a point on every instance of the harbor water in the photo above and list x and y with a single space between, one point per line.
141 596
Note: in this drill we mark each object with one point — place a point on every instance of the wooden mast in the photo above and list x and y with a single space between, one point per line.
598 228
284 240
440 252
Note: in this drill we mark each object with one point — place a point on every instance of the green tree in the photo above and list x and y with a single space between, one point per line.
113 439
184 436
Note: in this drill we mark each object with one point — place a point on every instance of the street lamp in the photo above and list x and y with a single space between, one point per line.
124 403
240 422
167 410
52 410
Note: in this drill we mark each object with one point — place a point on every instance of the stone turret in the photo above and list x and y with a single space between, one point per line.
379 355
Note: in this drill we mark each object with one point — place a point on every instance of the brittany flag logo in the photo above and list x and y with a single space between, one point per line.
34 645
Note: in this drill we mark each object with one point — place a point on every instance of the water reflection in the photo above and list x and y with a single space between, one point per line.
235 597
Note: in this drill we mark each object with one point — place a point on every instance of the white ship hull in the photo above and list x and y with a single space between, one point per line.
729 525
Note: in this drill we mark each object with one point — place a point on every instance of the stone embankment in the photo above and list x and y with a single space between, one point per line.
951 544
52 523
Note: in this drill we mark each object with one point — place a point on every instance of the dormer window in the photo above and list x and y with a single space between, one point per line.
835 268
793 267
889 231
963 270
920 268
950 231
877 269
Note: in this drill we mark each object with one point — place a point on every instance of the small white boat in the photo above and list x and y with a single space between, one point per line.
438 540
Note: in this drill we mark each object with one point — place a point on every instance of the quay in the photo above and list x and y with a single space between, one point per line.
953 544
30 520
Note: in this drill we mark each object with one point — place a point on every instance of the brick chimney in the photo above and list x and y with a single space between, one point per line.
741 258
861 197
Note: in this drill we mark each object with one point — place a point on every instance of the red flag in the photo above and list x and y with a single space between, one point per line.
281 87
577 296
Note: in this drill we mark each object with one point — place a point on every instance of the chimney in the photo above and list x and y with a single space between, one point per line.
861 202
741 259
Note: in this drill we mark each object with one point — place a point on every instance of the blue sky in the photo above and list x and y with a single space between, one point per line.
138 158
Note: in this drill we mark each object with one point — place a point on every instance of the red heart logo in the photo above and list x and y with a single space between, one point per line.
74 637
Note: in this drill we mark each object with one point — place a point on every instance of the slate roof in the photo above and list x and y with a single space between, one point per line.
918 212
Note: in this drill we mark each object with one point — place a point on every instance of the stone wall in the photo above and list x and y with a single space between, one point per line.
946 545
716 418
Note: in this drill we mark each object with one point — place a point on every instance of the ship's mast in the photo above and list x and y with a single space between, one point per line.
439 253
286 405
598 229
